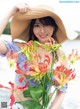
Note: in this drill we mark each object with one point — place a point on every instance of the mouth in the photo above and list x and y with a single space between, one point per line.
43 36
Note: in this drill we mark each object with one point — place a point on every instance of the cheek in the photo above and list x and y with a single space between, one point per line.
35 31
50 30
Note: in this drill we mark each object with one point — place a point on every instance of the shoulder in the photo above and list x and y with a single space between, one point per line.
11 45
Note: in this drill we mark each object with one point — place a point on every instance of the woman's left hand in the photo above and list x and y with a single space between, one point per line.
50 41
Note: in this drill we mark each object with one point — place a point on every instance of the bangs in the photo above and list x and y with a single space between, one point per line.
47 21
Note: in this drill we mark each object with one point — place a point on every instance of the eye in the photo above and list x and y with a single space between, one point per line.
36 25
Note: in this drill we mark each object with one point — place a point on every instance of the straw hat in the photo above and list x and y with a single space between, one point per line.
20 23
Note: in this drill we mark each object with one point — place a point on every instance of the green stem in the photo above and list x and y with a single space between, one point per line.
53 60
51 98
18 96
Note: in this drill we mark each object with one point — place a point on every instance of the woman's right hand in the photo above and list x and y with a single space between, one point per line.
21 7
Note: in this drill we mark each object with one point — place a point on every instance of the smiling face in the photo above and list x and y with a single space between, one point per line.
42 31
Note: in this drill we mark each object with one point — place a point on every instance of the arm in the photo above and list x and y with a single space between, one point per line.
22 7
56 103
58 99
4 21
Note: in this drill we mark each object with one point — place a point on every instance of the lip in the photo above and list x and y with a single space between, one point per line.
43 36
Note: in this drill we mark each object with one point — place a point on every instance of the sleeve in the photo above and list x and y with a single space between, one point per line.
63 88
11 46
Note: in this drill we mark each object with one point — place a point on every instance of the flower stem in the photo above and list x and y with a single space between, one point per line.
51 98
18 96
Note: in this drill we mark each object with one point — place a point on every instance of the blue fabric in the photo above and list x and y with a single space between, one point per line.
62 89
12 46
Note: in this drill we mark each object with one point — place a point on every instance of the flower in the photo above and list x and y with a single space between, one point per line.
41 70
74 56
63 75
11 96
12 58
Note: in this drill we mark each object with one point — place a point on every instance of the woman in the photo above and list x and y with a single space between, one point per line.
41 24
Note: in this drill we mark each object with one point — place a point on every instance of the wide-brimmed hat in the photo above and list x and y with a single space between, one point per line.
20 23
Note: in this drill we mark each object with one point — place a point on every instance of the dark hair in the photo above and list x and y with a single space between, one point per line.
45 21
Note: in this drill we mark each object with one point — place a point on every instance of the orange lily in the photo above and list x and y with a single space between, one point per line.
74 56
12 58
63 74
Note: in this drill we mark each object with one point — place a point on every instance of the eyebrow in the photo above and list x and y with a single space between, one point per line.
37 22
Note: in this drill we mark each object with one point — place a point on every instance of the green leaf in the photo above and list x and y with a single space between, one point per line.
36 92
26 93
63 75
30 104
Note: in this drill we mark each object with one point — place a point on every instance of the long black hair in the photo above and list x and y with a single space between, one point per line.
45 21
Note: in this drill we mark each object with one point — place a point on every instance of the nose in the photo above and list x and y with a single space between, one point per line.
42 29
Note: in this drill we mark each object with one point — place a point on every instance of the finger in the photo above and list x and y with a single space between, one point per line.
23 7
23 10
52 41
27 6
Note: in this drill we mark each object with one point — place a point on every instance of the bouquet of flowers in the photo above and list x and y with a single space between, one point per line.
41 71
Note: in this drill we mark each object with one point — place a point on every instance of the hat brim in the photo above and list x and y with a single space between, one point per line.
20 23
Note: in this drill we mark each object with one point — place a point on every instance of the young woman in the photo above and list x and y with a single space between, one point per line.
38 23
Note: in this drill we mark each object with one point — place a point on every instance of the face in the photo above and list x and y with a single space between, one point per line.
42 32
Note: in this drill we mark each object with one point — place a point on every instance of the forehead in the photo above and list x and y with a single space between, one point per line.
37 21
